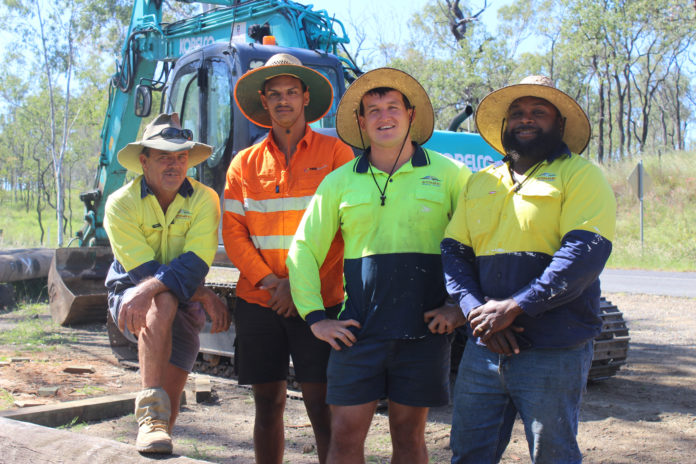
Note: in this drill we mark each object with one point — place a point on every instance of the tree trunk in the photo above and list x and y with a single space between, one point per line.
629 109
619 116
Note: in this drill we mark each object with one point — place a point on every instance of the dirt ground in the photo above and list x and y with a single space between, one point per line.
645 414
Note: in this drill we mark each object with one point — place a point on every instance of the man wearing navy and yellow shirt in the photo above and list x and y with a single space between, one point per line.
522 256
163 231
391 206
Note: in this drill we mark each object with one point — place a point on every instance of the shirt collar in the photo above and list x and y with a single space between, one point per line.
420 158
186 189
304 142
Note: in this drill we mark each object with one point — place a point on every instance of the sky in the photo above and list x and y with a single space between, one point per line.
390 18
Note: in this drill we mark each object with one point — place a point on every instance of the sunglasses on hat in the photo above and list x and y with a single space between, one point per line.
173 133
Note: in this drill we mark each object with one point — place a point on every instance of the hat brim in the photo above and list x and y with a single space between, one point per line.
347 125
248 88
492 111
129 156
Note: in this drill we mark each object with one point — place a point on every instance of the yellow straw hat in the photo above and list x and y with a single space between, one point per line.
249 86
492 112
347 115
164 133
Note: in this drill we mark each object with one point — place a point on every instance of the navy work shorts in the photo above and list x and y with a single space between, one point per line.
412 372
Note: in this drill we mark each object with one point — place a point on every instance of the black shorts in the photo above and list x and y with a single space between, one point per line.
265 341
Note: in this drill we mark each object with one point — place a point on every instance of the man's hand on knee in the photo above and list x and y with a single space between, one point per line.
332 331
215 307
136 304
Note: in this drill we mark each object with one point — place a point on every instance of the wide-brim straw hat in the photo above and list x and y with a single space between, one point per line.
492 112
129 156
347 125
248 89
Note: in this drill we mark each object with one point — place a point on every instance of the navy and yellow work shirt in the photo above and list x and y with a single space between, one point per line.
176 247
543 244
392 266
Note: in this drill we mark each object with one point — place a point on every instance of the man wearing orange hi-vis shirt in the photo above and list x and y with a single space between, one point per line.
268 188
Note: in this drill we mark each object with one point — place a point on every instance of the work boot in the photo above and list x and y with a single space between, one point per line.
152 411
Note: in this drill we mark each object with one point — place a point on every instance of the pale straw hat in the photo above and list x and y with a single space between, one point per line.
157 136
347 116
248 89
492 112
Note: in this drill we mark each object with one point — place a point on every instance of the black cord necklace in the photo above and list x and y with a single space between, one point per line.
518 185
383 192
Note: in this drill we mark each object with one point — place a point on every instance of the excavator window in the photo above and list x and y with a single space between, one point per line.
219 113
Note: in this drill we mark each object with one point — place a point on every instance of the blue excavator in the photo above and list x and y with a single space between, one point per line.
191 67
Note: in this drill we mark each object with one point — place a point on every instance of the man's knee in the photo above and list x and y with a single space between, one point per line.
349 424
314 396
407 425
163 309
269 399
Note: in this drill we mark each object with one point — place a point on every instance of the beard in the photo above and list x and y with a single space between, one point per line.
541 147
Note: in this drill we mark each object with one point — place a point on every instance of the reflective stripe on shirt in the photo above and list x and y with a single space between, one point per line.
272 242
275 205
234 206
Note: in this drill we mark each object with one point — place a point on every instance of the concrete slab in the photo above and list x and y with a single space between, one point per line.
79 370
203 389
47 391
21 442
92 409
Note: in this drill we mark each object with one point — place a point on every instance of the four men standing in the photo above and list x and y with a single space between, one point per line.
521 256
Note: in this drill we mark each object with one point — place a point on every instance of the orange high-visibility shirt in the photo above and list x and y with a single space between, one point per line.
264 202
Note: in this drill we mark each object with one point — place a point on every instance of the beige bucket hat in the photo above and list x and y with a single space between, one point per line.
249 86
492 112
164 133
347 124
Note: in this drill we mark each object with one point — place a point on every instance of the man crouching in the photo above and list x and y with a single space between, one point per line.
163 231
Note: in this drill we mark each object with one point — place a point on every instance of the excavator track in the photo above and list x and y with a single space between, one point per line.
611 345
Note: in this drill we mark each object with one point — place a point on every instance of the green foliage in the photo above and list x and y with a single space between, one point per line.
628 63
34 330
198 450
669 215
73 425
19 225
89 390
6 399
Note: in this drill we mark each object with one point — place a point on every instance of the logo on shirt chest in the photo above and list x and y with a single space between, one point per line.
431 181
182 216
547 176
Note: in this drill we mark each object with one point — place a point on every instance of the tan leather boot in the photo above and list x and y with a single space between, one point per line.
152 411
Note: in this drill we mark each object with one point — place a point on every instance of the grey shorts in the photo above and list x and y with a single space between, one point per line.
188 322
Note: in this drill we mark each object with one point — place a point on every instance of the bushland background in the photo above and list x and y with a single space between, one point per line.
630 63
